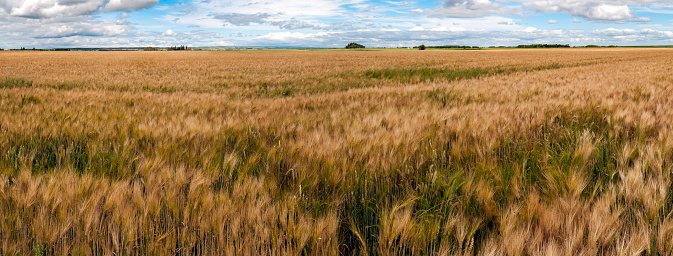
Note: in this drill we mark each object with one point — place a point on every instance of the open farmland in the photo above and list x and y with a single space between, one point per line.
536 152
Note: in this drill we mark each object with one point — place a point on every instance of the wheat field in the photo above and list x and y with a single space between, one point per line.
441 152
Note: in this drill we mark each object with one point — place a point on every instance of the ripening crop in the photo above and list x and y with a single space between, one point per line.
395 152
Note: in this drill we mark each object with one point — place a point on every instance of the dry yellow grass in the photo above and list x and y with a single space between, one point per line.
536 152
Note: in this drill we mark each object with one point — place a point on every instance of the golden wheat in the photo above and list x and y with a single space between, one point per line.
536 152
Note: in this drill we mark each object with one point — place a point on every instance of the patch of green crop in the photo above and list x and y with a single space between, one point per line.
451 97
433 174
160 89
274 90
417 75
9 82
45 153
32 99
551 147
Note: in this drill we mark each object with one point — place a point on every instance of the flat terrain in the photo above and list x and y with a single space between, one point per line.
535 152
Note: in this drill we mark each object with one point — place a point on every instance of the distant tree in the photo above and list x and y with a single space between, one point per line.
149 48
592 45
354 46
543 46
452 47
421 47
179 48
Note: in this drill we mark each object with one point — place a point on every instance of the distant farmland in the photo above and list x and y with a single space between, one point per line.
406 152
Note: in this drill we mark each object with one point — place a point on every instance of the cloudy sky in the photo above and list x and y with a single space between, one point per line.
332 23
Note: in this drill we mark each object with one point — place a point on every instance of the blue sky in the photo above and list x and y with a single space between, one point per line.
332 23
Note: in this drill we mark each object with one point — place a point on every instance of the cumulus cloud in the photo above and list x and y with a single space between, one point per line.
294 24
58 23
129 5
88 29
292 8
241 19
596 10
471 9
327 15
444 36
42 9
530 29
451 29
68 23
322 23
611 11
22 32
292 36
640 19
47 9
169 33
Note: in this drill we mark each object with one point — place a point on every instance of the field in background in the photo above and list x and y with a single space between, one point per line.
536 152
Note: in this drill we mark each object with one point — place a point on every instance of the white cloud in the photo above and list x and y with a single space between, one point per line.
490 23
82 29
324 23
169 33
471 9
596 10
327 15
529 35
239 19
48 9
39 9
440 29
110 34
22 32
614 11
530 29
290 8
290 36
128 5
640 19
451 29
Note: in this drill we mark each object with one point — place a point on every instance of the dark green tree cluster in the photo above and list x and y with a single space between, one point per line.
354 46
598 46
421 47
149 48
179 48
543 46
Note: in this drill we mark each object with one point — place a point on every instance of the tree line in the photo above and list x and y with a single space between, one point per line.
543 46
